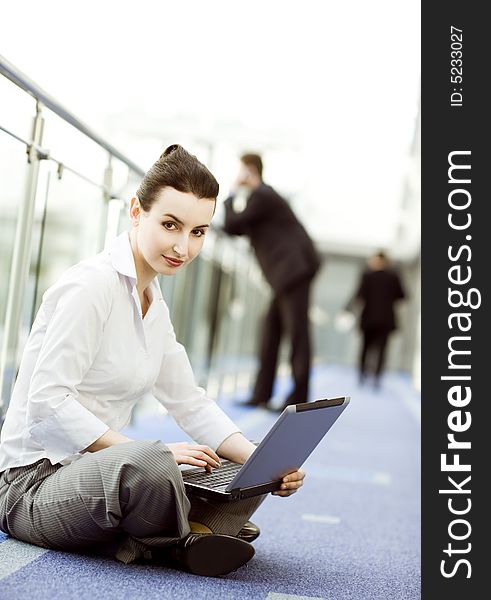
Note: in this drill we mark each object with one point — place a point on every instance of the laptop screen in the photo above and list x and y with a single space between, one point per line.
290 441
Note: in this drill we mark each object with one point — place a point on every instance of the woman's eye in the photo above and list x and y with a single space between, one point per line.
169 225
198 232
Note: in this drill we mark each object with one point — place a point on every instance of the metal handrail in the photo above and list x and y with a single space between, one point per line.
15 76
62 167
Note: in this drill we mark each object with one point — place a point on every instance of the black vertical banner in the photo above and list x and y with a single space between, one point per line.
456 261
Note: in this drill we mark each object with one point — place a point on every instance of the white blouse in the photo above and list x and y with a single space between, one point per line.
90 357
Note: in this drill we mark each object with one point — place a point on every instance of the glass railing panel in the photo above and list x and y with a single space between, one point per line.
122 186
200 318
16 109
235 312
253 295
68 224
73 148
13 173
333 287
180 301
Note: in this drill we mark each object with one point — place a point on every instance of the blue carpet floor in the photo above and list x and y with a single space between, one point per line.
351 533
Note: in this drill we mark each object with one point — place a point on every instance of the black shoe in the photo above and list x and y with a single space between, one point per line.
211 554
255 403
249 532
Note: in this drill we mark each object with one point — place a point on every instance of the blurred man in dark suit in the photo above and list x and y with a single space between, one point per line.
379 289
289 262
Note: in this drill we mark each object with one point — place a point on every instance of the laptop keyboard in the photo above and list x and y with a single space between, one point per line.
218 479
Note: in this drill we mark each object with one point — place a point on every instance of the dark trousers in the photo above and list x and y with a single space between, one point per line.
373 351
287 315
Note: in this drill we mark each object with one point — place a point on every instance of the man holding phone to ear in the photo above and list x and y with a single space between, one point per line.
289 263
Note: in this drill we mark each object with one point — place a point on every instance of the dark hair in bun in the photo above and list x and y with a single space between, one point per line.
180 170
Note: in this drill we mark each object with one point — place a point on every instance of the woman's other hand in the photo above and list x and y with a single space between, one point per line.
194 454
291 483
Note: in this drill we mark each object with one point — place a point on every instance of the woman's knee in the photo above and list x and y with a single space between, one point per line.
153 462
151 491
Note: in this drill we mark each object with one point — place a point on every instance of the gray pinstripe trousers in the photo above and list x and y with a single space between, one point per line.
127 497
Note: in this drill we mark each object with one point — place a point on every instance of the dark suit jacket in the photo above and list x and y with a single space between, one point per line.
283 248
379 290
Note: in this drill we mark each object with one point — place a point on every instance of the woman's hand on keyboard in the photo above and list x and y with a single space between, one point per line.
291 483
194 454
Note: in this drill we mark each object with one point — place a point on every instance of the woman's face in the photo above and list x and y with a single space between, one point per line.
172 232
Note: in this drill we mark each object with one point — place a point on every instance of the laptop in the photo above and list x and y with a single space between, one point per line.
283 450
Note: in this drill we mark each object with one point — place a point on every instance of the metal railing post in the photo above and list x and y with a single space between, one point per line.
21 258
107 196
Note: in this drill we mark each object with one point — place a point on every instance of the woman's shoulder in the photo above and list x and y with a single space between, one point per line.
95 276
96 269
